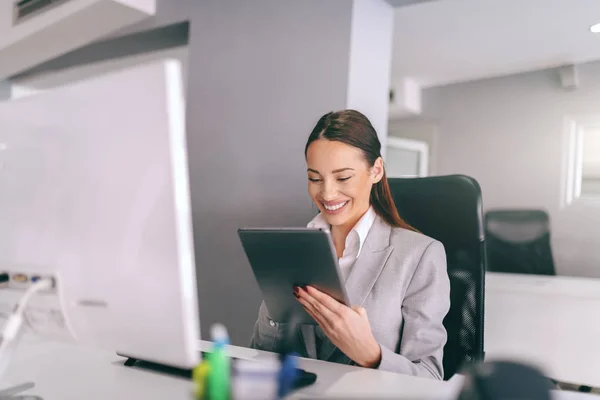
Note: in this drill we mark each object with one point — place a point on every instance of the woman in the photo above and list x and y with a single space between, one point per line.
395 277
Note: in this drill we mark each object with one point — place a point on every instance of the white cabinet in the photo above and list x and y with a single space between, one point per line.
59 26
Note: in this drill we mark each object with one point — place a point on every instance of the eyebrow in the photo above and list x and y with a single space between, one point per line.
335 171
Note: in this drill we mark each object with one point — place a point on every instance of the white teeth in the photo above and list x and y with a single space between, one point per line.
336 207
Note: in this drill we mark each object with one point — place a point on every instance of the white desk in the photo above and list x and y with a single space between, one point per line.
552 321
548 320
64 372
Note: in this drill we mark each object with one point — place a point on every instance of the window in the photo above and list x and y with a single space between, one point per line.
583 159
590 162
406 158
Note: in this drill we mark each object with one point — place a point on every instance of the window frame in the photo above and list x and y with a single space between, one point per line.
574 128
420 147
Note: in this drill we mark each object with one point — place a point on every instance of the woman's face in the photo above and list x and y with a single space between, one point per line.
340 180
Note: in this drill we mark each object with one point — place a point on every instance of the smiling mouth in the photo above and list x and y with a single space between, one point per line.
335 207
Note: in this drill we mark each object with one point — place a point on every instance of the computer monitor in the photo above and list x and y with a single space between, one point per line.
94 191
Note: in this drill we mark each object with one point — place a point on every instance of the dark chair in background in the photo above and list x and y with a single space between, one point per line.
518 241
448 208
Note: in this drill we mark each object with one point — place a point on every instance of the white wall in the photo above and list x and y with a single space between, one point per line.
508 134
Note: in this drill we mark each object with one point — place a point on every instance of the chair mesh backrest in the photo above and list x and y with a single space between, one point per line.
518 241
448 208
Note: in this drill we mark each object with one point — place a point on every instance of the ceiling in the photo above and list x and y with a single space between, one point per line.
449 41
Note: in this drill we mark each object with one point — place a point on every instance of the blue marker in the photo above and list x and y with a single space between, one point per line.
287 375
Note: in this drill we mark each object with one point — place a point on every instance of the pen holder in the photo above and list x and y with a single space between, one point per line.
253 380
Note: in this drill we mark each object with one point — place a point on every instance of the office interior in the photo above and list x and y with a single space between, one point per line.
504 92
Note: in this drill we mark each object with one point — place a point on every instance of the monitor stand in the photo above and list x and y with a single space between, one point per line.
304 378
160 368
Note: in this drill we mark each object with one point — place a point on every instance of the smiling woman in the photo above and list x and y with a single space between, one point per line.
395 276
345 147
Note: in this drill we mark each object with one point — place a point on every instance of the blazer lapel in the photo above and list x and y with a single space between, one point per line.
366 269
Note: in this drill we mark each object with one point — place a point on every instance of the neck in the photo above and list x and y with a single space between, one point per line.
339 233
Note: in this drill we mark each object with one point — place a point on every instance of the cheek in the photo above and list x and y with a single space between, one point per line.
313 190
360 190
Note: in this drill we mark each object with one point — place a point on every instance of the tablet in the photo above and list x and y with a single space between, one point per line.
282 258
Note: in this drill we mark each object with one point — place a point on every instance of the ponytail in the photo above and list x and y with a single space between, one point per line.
383 204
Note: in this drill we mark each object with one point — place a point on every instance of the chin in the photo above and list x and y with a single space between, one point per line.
336 219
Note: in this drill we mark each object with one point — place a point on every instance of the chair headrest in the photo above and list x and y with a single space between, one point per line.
447 208
517 226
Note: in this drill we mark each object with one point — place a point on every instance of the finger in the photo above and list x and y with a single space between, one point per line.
332 304
313 313
305 303
360 311
317 305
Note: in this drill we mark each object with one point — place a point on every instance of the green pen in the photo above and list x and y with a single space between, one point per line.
219 376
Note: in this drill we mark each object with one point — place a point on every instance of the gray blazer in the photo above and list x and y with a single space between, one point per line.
400 278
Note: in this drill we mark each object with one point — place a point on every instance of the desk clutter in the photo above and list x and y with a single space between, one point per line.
219 377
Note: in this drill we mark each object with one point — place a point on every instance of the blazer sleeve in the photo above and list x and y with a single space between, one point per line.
268 334
425 305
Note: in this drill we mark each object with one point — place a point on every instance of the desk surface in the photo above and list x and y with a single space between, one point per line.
569 286
546 320
63 371
551 321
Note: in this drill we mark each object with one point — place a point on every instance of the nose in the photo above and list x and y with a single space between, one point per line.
329 190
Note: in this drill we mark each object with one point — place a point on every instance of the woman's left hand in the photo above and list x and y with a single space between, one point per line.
347 328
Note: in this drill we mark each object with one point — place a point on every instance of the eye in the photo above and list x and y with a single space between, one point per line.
344 179
314 180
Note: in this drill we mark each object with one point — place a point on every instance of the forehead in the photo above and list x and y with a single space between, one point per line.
327 155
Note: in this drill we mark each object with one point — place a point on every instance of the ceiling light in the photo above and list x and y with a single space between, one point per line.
595 28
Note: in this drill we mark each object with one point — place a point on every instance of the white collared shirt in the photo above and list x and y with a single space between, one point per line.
354 241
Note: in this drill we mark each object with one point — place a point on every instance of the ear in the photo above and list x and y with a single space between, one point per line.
377 170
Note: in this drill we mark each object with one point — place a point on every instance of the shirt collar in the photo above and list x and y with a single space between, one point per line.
362 227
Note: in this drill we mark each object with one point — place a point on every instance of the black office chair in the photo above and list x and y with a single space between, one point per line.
448 208
518 241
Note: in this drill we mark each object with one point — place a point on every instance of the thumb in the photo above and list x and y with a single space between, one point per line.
360 311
